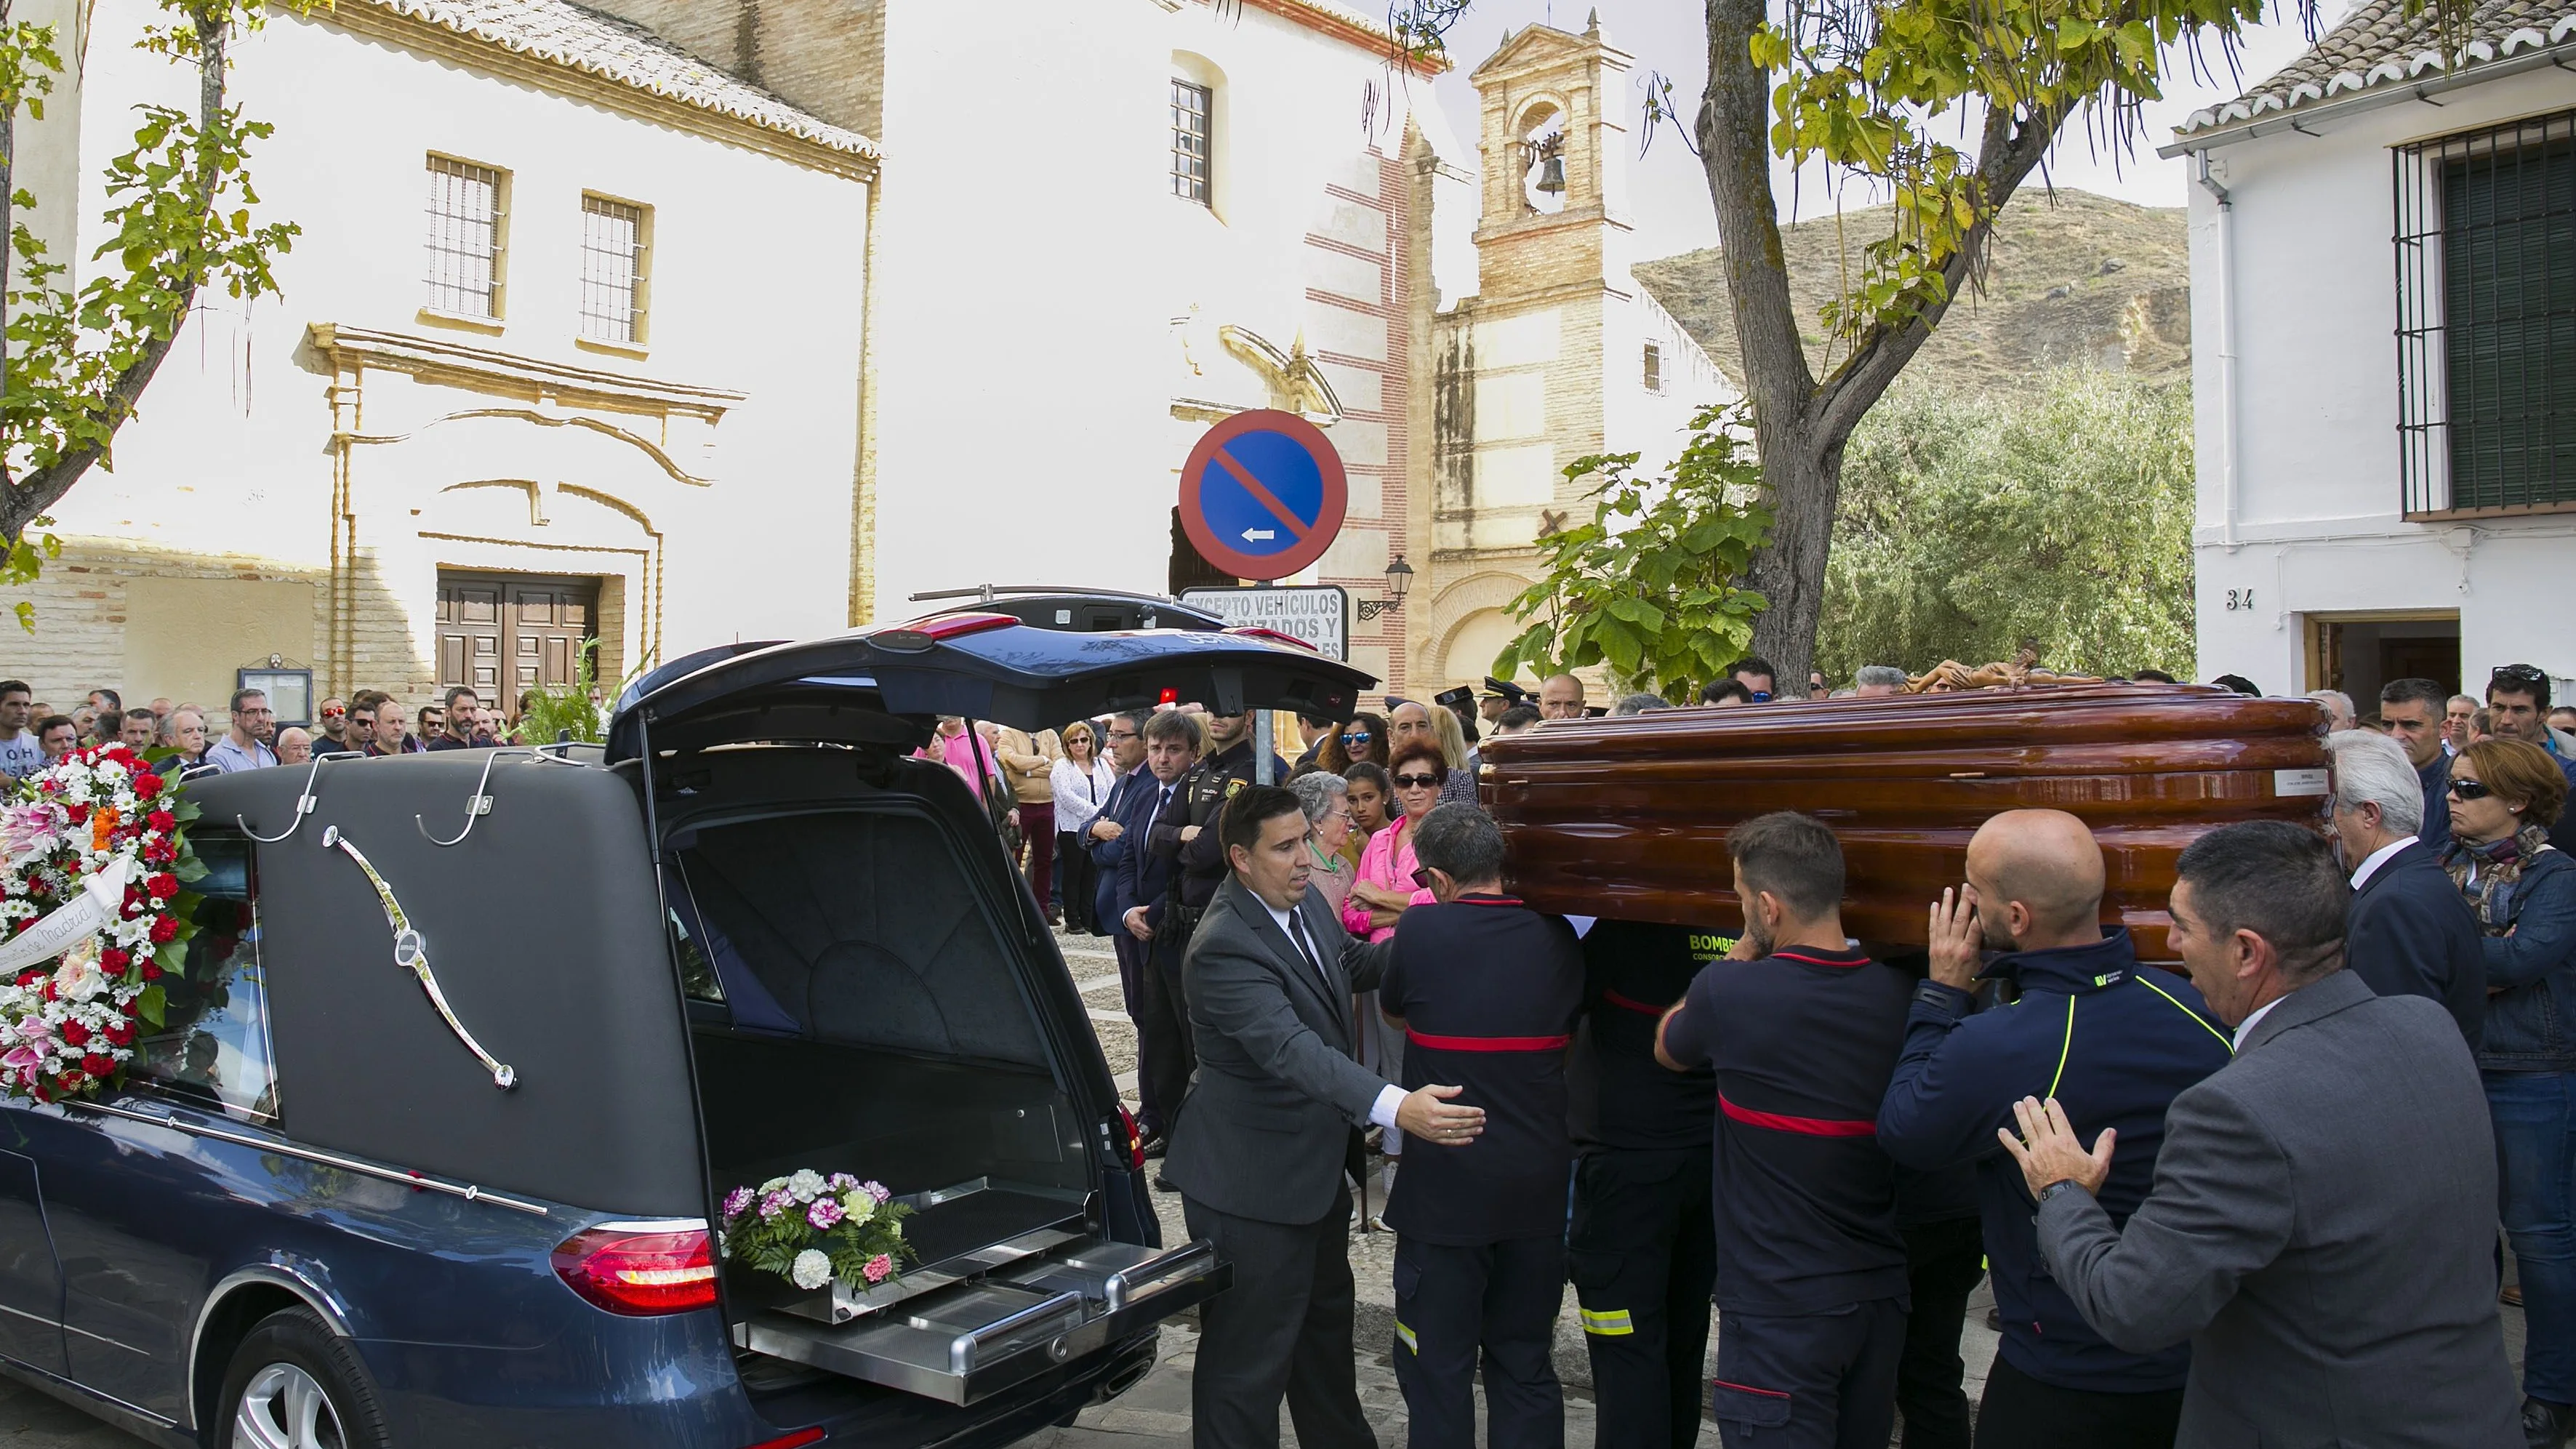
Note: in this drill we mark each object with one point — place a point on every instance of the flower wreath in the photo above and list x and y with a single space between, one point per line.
93 912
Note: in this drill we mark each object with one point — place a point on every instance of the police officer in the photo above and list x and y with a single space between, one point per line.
1190 835
1803 1033
1487 992
1642 1249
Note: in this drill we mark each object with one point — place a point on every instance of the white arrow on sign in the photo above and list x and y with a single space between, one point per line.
1259 535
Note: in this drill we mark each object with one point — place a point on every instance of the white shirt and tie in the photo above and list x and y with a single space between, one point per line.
1292 924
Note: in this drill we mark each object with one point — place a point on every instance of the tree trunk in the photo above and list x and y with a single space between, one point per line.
1806 483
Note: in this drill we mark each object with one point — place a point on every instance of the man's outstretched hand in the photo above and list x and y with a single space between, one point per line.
1427 1114
2053 1152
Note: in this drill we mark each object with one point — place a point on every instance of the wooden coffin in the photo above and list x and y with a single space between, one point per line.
1629 817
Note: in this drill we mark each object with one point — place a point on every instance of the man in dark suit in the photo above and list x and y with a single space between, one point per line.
2322 1227
1271 1124
1108 843
1144 885
2409 932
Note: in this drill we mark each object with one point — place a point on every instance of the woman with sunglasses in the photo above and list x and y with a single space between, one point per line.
1363 739
1388 883
2504 795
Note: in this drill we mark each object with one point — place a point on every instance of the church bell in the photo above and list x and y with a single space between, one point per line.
1551 176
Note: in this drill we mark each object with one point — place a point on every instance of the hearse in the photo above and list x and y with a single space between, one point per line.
473 1045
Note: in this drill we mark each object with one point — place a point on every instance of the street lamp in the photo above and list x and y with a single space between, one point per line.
1399 582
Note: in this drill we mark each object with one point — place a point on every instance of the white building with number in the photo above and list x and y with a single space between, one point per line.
2384 283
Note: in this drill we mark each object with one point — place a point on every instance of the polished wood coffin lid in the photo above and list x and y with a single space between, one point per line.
1629 817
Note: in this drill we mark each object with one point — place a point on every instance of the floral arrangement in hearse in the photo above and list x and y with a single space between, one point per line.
94 911
814 1230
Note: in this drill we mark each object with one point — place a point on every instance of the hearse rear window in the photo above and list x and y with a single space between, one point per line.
213 1045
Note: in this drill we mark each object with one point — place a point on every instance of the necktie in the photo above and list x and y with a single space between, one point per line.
1305 948
1161 801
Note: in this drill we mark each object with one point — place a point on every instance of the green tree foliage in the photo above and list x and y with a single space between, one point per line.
74 362
1650 587
1973 522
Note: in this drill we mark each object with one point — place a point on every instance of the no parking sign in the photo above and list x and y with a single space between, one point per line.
1263 494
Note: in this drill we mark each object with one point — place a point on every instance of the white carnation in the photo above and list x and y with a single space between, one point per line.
775 1184
812 1269
806 1184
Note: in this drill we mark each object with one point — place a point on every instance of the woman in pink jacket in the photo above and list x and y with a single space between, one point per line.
1384 888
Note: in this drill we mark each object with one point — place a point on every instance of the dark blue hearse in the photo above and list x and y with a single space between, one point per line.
749 935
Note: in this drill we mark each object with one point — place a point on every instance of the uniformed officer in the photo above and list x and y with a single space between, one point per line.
1190 834
1803 1033
1487 992
1642 1248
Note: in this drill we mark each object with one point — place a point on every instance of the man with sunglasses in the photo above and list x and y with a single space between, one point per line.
2518 704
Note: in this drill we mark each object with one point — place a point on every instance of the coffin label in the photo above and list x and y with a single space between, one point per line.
2298 782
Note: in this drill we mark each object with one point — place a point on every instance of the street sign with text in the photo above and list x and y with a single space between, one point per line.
1317 616
1263 494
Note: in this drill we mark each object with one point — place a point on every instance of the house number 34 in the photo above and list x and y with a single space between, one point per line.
2239 599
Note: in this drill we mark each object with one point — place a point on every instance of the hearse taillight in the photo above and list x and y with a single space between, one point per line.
638 1270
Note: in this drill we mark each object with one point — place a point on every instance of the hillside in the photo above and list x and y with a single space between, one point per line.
2074 278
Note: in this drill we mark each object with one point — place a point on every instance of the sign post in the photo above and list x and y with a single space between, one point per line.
1262 496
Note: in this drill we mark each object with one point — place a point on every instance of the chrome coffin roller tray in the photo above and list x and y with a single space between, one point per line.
975 1338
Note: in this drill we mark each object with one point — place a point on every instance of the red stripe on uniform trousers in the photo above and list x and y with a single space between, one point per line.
1630 1003
1488 1043
1804 1126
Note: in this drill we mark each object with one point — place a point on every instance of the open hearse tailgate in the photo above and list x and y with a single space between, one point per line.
883 685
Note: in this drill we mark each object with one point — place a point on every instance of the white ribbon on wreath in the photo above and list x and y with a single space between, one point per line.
102 895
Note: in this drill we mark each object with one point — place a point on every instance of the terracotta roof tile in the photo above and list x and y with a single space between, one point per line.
613 49
2379 44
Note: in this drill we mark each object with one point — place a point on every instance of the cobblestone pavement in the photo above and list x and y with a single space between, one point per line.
1155 1414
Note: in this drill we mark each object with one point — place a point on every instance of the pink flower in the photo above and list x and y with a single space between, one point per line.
823 1214
776 1203
876 1190
736 1203
842 1182
879 1268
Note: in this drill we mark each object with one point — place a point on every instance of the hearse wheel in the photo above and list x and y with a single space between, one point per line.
294 1384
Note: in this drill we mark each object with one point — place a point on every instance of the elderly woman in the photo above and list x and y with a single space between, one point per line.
1081 781
1363 740
2504 795
1328 810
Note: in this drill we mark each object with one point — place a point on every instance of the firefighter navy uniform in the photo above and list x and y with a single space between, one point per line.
1642 1246
1488 991
1811 1281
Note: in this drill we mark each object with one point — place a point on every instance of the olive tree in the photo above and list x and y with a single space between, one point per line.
76 361
1974 522
1871 90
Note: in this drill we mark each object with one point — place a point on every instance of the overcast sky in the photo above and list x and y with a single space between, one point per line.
1669 195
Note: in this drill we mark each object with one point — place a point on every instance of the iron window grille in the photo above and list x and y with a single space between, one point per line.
612 270
2486 318
1193 129
1654 368
465 231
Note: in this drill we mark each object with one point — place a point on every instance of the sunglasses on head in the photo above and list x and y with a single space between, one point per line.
2472 789
2524 675
1417 782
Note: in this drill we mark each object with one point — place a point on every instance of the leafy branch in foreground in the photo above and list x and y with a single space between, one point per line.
1651 586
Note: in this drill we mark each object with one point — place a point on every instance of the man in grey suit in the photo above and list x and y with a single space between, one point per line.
2322 1226
1270 1121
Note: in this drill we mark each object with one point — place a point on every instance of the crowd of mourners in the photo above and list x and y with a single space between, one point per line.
33 734
2252 1199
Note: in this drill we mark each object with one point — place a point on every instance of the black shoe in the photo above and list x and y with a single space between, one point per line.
2544 1424
1995 1320
1165 1184
1152 1145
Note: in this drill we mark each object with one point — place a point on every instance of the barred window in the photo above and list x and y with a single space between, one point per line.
613 242
1654 368
1193 124
2486 318
465 211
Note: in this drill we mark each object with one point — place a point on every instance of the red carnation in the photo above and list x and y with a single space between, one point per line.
121 1033
98 1064
162 820
164 930
151 971
31 975
163 887
114 958
76 813
68 1082
160 852
147 784
74 1033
